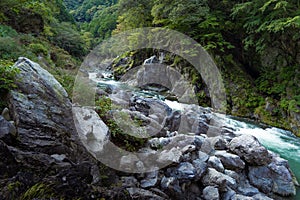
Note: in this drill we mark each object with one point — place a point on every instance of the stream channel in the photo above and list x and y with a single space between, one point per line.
280 141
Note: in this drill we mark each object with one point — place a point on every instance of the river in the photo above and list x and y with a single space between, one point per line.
274 139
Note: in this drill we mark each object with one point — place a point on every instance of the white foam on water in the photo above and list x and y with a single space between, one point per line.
174 104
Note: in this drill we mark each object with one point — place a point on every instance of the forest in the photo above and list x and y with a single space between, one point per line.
71 128
254 43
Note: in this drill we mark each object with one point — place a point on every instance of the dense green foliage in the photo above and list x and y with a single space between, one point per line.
255 43
97 18
43 31
7 75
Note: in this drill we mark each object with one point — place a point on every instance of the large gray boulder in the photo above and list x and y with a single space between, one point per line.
250 149
275 177
47 149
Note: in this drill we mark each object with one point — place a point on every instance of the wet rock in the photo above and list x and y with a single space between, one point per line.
250 149
230 161
211 193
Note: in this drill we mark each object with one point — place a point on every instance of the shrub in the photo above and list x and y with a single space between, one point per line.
38 49
7 75
9 48
7 31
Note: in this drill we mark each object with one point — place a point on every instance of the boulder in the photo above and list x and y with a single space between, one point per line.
211 193
93 132
150 180
215 163
230 161
250 149
215 178
48 149
274 178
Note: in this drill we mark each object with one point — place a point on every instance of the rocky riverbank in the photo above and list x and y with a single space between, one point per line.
47 154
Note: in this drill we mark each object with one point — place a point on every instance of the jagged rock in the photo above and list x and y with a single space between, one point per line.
250 149
215 163
219 143
92 131
203 156
275 177
206 147
158 142
170 156
173 121
184 171
198 141
230 161
233 174
42 113
213 177
211 193
148 106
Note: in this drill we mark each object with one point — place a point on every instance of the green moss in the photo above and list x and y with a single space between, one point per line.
38 191
119 129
